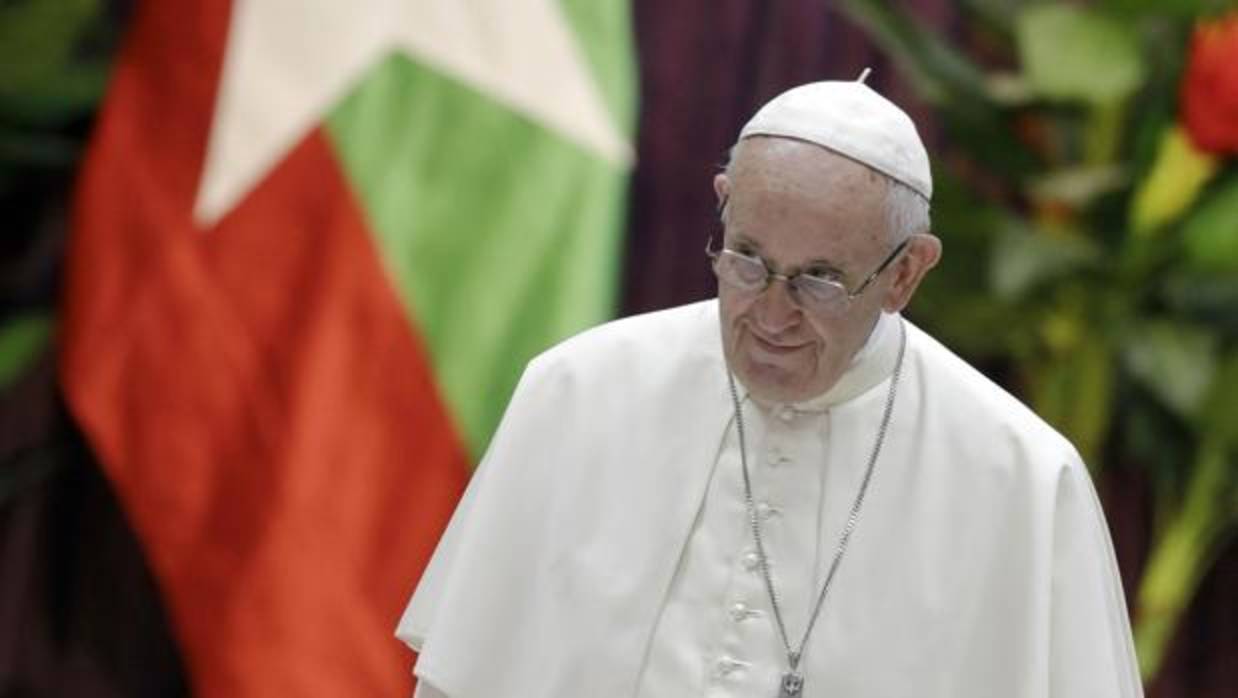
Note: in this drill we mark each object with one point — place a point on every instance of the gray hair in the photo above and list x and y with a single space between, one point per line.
907 212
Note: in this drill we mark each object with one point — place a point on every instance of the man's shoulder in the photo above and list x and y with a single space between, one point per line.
974 399
650 369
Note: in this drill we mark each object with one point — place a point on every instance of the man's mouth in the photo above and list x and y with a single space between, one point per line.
777 347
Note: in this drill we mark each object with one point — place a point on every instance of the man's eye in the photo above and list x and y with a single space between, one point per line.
822 274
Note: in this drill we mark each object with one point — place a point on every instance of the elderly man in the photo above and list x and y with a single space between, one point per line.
787 491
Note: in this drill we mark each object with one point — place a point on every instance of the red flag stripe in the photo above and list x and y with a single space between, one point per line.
257 397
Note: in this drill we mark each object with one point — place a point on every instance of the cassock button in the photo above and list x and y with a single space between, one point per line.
728 666
740 612
786 413
766 510
751 561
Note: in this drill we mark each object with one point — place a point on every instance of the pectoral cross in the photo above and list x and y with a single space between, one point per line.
792 684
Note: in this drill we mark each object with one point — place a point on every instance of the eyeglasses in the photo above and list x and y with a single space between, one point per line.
810 290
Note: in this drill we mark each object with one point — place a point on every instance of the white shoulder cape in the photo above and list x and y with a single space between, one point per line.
983 566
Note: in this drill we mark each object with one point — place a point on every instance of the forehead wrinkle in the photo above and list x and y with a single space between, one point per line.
789 270
784 166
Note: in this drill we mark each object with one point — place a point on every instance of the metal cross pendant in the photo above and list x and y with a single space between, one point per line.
792 685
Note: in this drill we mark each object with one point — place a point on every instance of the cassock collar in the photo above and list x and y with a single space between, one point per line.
871 365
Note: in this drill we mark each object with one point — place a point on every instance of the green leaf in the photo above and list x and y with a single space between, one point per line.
1025 258
954 300
1218 419
1178 174
1210 234
935 68
1073 54
995 13
1208 298
1073 391
1175 361
37 38
21 340
1183 552
1158 8
1078 186
74 93
947 79
1009 89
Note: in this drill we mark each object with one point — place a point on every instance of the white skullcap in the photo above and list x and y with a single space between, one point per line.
852 120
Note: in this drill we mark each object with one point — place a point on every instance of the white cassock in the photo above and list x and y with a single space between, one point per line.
602 548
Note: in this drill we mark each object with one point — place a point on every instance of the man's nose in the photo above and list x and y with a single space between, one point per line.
776 310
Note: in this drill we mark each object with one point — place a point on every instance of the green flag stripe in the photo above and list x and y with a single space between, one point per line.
501 237
21 340
604 33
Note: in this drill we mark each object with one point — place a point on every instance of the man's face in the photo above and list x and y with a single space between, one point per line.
800 208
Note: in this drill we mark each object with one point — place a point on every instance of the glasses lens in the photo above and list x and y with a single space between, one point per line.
740 270
750 274
822 295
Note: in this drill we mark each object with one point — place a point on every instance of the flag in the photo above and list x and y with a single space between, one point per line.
313 245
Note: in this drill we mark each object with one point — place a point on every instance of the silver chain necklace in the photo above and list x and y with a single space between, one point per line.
792 684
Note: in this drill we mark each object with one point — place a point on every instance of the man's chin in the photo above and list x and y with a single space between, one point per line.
770 384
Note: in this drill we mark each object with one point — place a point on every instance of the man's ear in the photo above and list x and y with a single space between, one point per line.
923 251
722 188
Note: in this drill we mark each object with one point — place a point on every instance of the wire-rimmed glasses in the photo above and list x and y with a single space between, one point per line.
810 290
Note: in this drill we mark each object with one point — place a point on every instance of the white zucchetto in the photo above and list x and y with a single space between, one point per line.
851 119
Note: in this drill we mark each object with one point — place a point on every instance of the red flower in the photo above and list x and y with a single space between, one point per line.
1210 86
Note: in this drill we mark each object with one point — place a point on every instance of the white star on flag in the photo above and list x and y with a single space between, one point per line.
289 61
